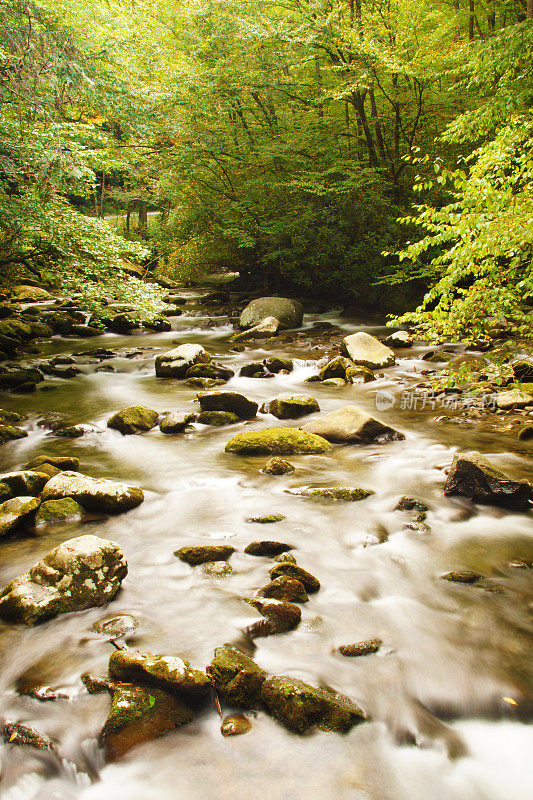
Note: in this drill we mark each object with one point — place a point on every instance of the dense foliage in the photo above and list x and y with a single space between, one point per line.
285 140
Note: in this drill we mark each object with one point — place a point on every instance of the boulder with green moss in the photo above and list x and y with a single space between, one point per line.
61 462
233 402
358 374
237 677
81 573
15 379
267 547
15 512
276 364
5 492
346 493
278 466
199 554
266 519
134 419
59 511
25 482
277 441
30 294
269 326
289 312
366 350
94 494
140 714
293 406
279 616
351 424
300 707
8 417
212 370
167 672
9 433
176 363
205 383
175 422
336 368
285 588
290 570
217 418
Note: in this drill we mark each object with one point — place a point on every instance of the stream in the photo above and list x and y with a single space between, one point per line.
450 691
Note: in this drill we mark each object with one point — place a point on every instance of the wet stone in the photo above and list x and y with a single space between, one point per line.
61 462
217 418
311 583
134 419
237 677
175 422
267 519
267 548
278 466
116 625
199 554
293 406
235 725
9 433
285 557
217 569
94 494
23 736
167 672
205 383
361 648
462 576
277 441
59 511
410 504
17 511
345 493
284 588
472 475
228 401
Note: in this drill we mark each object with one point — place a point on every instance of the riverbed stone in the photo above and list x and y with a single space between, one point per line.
134 419
525 434
115 625
18 735
335 382
238 679
462 576
235 725
175 363
279 616
472 475
276 364
30 294
8 417
346 493
199 554
284 588
9 433
211 370
336 368
278 466
228 401
20 379
277 441
59 511
81 573
254 369
513 398
204 383
217 569
269 326
523 369
94 494
352 424
290 570
358 374
266 519
175 422
25 482
367 351
293 406
217 418
5 492
139 714
289 312
399 339
300 707
61 462
266 547
171 673
15 512
360 648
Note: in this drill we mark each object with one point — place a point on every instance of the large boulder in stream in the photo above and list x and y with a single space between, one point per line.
277 441
472 475
352 424
139 714
167 672
25 482
237 677
288 312
134 419
367 351
299 706
292 406
81 573
15 512
176 363
94 494
233 402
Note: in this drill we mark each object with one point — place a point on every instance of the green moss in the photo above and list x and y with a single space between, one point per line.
278 441
345 493
237 677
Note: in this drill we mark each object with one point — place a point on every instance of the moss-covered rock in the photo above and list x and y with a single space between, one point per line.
175 422
293 406
266 519
210 371
24 483
276 364
198 554
18 735
167 672
299 706
61 462
366 350
462 576
358 374
217 418
284 588
94 494
80 573
279 617
5 492
360 648
19 379
472 475
9 433
235 725
277 441
335 382
336 368
175 363
352 425
268 327
278 466
233 402
255 369
30 294
311 583
399 339
8 417
514 397
58 511
205 383
134 419
289 312
139 714
217 569
346 493
237 677
15 512
267 547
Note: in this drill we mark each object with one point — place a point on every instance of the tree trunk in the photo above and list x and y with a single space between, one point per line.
471 21
102 197
529 9
143 218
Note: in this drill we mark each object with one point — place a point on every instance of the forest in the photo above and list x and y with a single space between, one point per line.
378 153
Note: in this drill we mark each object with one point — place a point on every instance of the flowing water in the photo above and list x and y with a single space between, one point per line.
440 727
